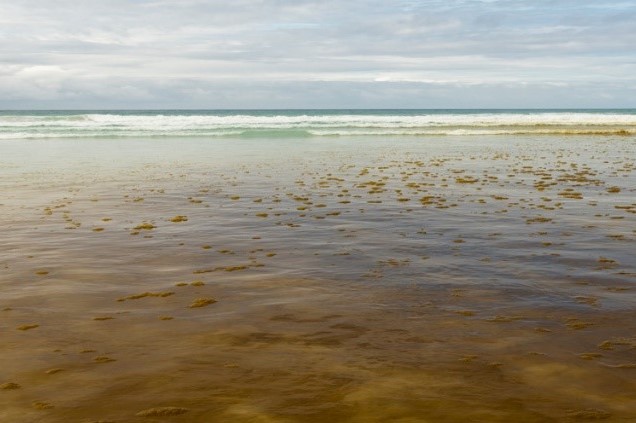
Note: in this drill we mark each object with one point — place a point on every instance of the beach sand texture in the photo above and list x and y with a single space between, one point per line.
405 279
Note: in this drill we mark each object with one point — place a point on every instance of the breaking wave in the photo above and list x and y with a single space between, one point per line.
292 124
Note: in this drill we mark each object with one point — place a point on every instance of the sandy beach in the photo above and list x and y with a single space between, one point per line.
404 279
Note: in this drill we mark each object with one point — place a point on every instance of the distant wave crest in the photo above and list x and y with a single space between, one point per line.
246 125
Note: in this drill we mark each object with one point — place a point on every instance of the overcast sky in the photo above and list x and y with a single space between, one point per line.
317 54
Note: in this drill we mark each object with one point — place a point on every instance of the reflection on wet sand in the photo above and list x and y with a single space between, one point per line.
472 281
308 350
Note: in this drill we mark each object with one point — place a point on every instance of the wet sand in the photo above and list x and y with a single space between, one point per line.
404 279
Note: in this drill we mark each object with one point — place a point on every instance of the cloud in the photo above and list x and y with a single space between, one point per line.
195 53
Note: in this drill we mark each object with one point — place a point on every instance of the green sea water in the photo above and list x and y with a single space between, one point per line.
312 123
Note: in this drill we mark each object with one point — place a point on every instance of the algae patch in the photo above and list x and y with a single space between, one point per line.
202 302
179 218
103 359
42 405
147 294
162 412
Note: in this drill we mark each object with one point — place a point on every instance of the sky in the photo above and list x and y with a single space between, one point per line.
251 54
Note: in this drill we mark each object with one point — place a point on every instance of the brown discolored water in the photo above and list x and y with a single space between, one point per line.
403 279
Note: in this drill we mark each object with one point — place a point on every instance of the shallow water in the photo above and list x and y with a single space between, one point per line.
356 279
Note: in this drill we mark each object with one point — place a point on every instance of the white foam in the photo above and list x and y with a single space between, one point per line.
88 125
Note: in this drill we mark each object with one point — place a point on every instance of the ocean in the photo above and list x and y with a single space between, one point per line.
312 123
314 265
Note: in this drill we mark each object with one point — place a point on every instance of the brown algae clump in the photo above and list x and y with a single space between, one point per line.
9 386
538 219
466 180
145 226
103 359
593 301
613 190
28 327
589 414
179 218
570 193
42 405
147 294
590 356
235 268
575 324
162 412
504 319
202 302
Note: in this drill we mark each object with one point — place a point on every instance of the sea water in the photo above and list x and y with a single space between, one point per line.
150 270
281 123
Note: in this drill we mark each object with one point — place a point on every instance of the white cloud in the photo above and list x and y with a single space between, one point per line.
127 52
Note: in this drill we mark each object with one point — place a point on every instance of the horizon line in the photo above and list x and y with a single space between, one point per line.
313 109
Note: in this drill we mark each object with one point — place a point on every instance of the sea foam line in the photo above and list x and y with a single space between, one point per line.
117 125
